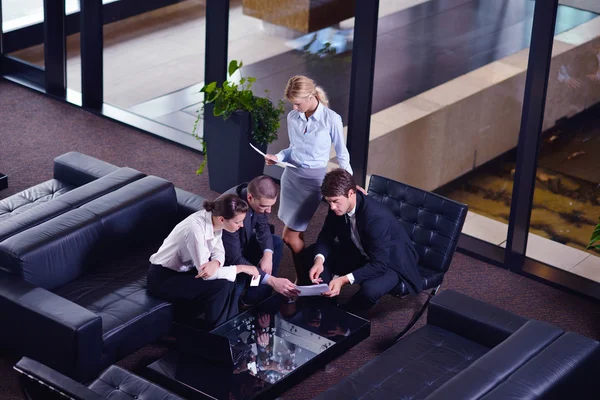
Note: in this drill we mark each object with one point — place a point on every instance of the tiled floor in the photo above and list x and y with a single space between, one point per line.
538 248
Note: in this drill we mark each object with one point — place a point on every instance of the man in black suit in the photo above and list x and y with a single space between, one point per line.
254 244
372 247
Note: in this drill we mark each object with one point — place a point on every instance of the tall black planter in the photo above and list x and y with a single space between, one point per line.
231 160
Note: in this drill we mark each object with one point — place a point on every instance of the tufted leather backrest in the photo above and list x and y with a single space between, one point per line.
60 250
433 222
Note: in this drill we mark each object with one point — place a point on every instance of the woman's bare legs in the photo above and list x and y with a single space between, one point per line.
295 241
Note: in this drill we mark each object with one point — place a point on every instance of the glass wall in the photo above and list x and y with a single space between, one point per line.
448 99
154 65
276 40
18 14
566 204
447 102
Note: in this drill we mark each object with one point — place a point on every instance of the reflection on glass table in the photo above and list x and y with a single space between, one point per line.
258 353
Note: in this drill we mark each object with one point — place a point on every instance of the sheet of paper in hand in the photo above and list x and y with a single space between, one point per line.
282 163
313 290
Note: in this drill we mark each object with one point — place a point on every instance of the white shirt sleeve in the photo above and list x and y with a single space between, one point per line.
321 256
197 246
228 272
350 278
218 251
337 137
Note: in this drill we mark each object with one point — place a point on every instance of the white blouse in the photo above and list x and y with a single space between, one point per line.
192 243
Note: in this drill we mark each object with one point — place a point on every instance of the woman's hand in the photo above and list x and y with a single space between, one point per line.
247 269
362 189
270 159
208 269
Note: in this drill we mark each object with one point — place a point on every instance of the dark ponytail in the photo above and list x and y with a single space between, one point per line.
227 206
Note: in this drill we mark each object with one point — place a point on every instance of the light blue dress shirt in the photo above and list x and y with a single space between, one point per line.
310 140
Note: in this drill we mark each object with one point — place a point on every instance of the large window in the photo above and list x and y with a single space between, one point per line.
566 203
277 40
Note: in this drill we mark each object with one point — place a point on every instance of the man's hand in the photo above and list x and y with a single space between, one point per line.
337 331
316 271
283 286
266 262
336 285
208 269
264 320
247 269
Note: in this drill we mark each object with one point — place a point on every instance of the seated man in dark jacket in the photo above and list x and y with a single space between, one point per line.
254 244
372 247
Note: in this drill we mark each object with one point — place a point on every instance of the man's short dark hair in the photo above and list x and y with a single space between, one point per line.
263 187
337 182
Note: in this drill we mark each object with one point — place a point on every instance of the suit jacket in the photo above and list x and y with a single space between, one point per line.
382 237
236 242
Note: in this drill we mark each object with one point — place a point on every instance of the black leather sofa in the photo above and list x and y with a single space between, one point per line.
73 259
472 350
39 382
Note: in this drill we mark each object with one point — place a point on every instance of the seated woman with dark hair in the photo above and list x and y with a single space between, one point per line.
188 268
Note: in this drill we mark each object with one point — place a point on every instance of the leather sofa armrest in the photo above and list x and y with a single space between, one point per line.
34 376
187 203
78 169
49 328
473 319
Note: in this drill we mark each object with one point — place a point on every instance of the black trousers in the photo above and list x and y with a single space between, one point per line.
190 294
253 253
342 261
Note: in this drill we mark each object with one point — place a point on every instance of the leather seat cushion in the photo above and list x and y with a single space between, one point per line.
430 279
118 384
31 197
414 367
130 316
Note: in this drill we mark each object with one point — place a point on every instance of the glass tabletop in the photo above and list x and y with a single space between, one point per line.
275 338
267 345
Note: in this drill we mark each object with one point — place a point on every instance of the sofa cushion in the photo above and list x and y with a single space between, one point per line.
500 362
29 198
58 251
78 169
412 368
566 369
118 384
117 294
74 198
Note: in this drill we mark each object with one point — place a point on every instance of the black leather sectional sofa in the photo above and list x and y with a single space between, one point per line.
472 350
73 259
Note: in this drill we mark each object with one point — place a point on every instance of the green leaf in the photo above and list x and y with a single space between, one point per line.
233 66
251 79
210 88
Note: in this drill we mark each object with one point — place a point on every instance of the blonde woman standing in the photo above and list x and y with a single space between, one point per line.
312 128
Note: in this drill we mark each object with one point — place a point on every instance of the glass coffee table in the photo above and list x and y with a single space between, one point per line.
260 353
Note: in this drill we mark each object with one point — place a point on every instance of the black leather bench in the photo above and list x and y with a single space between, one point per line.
472 350
39 382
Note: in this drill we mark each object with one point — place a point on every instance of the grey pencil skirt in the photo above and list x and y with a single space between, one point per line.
300 196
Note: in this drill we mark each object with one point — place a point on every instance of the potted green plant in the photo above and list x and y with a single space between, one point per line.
595 239
241 118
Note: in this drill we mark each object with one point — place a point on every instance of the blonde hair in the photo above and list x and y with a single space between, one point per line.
300 86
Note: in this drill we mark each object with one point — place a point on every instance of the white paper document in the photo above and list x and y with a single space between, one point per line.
255 281
313 290
282 163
